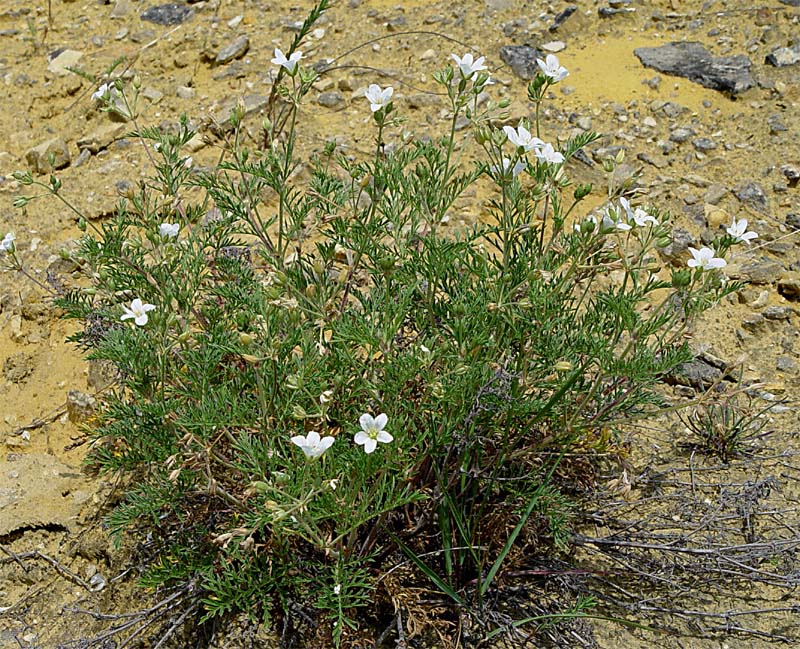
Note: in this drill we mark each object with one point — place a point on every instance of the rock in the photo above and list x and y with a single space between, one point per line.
715 193
101 137
681 134
692 61
791 3
697 374
791 173
659 162
59 61
793 221
762 272
561 18
786 364
522 59
753 194
236 49
168 14
753 322
330 99
778 313
38 158
80 406
677 251
715 216
704 144
776 125
784 56
121 9
554 46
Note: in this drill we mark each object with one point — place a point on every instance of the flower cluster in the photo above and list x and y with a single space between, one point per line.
372 431
525 142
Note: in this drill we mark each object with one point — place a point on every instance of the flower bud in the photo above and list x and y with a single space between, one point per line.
681 278
663 242
311 291
245 339
563 366
582 191
82 224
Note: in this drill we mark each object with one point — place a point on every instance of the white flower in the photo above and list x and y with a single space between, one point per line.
334 484
551 68
521 137
738 231
518 167
546 153
311 444
468 66
377 97
337 589
638 216
7 244
103 93
290 64
326 397
372 432
704 259
642 218
188 163
169 230
138 311
613 222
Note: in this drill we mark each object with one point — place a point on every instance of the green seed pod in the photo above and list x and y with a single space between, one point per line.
245 339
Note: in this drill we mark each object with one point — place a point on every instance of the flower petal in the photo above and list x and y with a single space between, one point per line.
361 437
367 421
385 437
370 445
381 420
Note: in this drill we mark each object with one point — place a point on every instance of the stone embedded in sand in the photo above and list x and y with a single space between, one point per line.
236 49
38 158
80 406
784 56
522 59
60 61
692 61
168 14
753 194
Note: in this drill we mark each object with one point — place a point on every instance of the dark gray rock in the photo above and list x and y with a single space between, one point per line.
704 144
778 312
330 99
753 194
522 59
789 287
791 173
762 272
171 13
236 49
681 134
776 124
561 18
784 56
793 221
791 3
697 374
692 61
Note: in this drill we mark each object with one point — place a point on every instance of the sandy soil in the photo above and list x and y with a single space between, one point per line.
50 503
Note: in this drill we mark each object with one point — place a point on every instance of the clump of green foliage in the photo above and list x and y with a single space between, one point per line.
318 383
